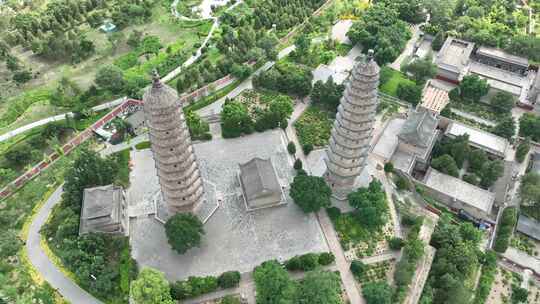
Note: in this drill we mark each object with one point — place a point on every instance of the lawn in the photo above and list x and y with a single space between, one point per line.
390 80
314 126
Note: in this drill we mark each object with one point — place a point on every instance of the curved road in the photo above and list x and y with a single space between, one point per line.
66 287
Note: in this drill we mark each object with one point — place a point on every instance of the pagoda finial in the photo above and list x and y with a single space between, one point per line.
370 54
156 82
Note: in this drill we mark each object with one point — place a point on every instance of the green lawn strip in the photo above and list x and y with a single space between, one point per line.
314 126
390 80
14 107
142 145
201 103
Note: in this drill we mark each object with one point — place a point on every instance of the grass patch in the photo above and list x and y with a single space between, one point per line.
13 108
201 103
122 159
143 145
314 126
390 80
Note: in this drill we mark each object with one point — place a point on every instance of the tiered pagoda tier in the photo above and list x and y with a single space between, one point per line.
352 131
176 164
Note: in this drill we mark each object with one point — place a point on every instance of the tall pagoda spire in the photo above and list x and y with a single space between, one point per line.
177 169
352 130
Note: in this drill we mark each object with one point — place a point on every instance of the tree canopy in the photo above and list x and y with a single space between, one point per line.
151 287
184 231
274 286
371 204
379 28
310 193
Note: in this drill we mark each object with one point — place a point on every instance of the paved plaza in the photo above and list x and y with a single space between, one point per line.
235 239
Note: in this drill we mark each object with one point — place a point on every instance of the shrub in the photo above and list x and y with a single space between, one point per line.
388 167
333 212
506 227
229 279
326 258
304 262
402 183
291 148
193 287
307 148
297 164
396 243
522 150
230 300
358 268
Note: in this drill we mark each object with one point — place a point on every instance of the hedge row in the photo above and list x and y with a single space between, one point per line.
196 286
309 261
489 270
506 227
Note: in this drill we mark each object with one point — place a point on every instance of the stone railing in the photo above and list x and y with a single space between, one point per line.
12 187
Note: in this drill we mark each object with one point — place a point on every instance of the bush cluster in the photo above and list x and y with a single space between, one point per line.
505 230
196 286
309 261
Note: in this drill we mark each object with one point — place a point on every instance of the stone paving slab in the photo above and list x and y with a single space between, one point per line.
235 239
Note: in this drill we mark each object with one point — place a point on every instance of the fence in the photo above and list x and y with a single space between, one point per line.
207 90
67 148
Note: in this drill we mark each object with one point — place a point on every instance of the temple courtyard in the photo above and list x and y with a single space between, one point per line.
235 239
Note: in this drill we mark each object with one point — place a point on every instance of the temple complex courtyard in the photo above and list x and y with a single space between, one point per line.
235 239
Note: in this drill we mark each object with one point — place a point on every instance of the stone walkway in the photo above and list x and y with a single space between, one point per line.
347 278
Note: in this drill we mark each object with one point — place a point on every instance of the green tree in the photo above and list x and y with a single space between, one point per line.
20 155
229 279
184 231
320 287
151 287
110 78
409 92
88 170
291 147
377 293
477 159
388 167
522 150
502 102
235 120
150 45
491 173
529 126
438 41
273 284
310 193
446 164
472 88
421 69
371 204
505 128
519 295
529 193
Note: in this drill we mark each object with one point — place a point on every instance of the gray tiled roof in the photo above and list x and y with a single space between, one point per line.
101 209
419 128
259 180
529 227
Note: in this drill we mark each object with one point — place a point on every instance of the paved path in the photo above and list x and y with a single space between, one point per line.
45 121
409 48
247 84
394 255
474 118
351 287
67 288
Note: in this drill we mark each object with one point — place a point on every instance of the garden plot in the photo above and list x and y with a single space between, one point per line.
501 290
377 272
356 240
526 244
